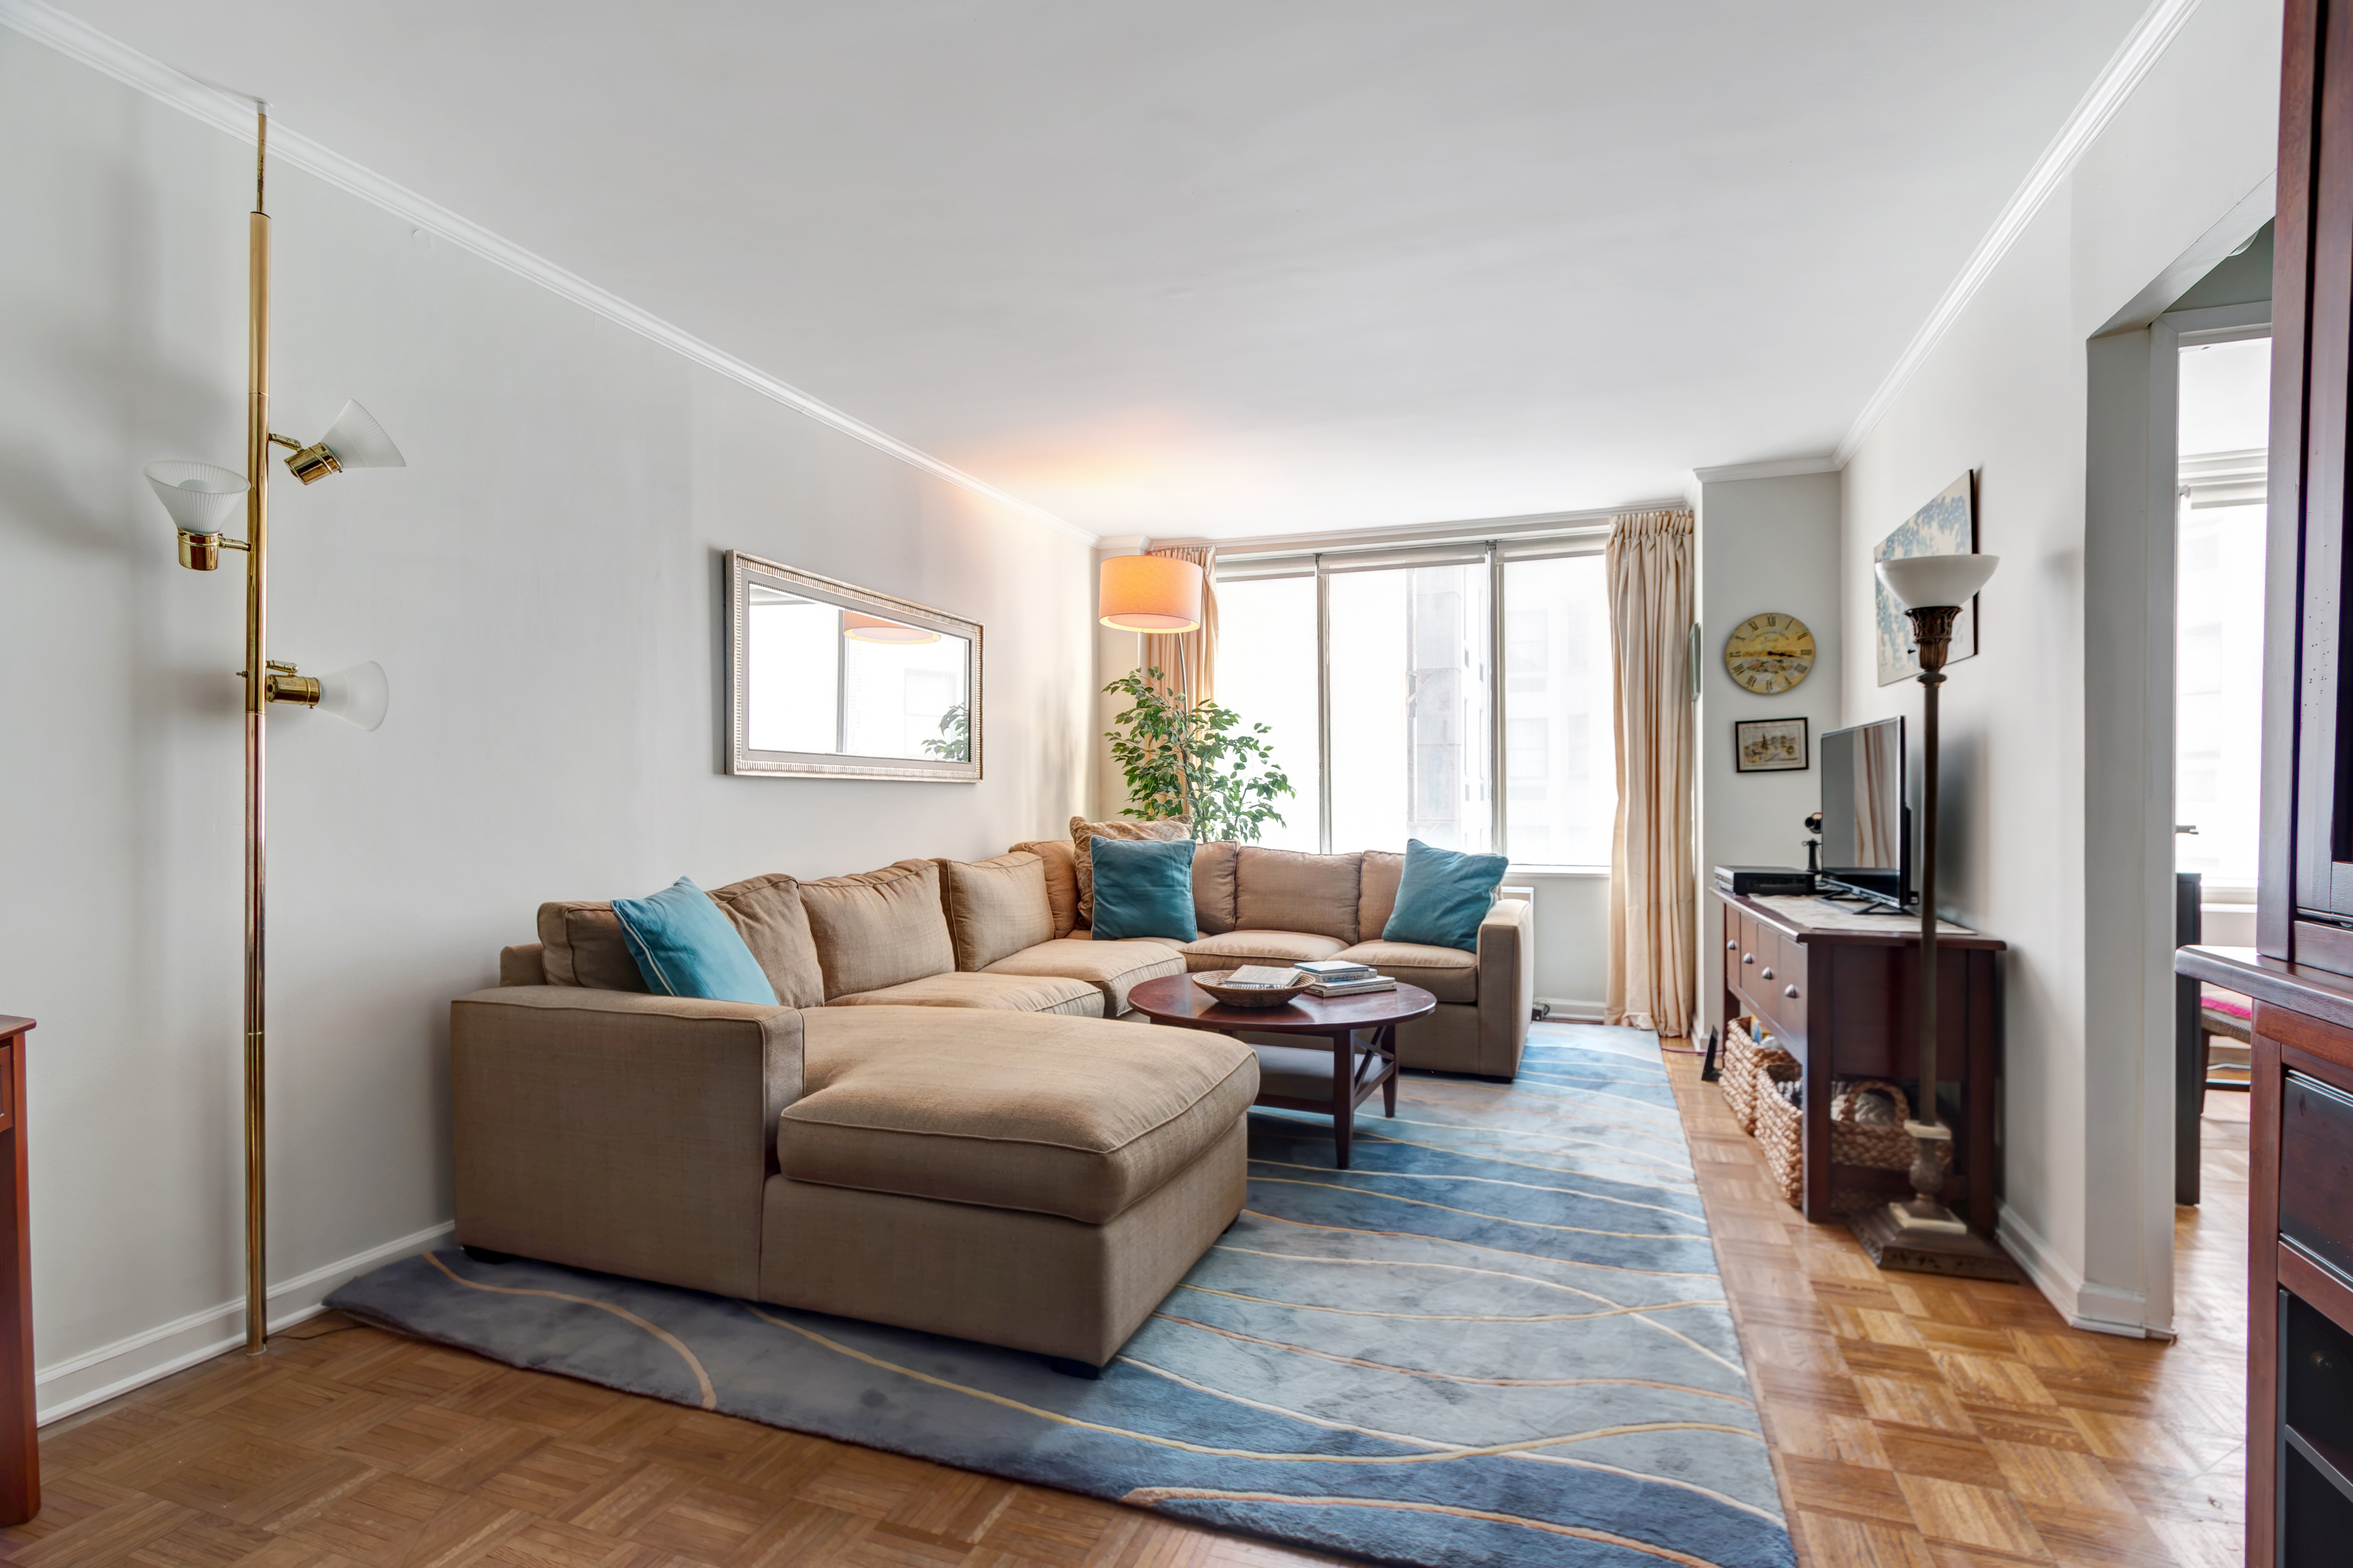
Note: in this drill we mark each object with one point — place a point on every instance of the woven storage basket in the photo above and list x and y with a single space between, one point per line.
1736 1074
1779 1128
1876 1148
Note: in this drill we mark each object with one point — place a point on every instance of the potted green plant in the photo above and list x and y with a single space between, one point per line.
1196 761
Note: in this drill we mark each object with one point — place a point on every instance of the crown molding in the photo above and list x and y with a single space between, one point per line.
233 113
1771 468
2115 82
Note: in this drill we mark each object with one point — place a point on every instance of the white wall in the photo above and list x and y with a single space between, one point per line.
542 585
1764 545
2024 775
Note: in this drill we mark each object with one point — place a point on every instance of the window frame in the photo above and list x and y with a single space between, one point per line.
1496 554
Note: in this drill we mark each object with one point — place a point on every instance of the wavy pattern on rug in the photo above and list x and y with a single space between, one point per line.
1500 1339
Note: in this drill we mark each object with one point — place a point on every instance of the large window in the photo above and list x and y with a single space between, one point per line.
1384 670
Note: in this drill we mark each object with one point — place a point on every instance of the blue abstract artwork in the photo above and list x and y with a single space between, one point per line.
1945 526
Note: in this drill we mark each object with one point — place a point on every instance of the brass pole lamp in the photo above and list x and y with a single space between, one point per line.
201 498
1922 1235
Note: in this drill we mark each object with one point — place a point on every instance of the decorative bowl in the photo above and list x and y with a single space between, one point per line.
1249 995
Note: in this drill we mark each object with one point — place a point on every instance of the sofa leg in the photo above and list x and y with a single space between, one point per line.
1068 1368
484 1255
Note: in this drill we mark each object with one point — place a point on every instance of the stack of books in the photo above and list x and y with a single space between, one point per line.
1337 977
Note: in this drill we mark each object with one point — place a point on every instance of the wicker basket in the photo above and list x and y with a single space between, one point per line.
1876 1148
1781 1128
1738 1075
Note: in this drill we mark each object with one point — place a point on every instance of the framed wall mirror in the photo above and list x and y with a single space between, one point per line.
829 681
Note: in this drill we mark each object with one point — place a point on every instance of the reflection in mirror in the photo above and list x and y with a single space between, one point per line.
822 670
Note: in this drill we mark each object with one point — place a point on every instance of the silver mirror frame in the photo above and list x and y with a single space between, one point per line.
742 569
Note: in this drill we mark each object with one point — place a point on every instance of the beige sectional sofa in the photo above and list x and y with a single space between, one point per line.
939 1124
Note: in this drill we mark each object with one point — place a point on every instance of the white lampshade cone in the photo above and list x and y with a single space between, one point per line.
1927 582
1150 594
359 695
359 442
201 498
874 628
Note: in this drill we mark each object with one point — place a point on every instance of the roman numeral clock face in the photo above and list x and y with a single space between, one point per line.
1769 652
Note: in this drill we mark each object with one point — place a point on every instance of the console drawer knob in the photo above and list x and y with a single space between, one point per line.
1747 958
1732 946
1790 992
1766 974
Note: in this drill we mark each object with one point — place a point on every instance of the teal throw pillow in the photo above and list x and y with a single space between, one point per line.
1444 895
686 946
1144 888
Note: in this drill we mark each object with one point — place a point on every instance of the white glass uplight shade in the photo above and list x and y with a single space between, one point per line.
1927 582
1150 594
874 628
359 695
359 442
201 498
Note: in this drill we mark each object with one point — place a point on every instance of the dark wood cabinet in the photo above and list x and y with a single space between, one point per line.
1845 1004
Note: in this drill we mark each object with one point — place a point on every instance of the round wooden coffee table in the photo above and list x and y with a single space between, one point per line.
1305 1078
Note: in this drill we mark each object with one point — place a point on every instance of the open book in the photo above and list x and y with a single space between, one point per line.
1263 976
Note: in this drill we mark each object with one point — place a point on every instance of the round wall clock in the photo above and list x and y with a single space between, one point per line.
1769 652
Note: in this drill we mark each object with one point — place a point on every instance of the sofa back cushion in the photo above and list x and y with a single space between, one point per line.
767 912
995 908
1213 886
879 928
580 943
1061 880
1281 890
1376 892
1084 834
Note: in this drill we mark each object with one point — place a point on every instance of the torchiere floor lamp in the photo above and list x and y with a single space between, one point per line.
200 498
1923 1234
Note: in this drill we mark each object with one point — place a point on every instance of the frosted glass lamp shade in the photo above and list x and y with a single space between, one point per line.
359 695
874 628
1929 582
359 442
201 498
1150 594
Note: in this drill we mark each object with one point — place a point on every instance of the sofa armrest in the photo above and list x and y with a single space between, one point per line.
1507 985
617 1131
523 965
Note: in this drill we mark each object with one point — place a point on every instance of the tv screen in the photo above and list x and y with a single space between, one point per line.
1866 837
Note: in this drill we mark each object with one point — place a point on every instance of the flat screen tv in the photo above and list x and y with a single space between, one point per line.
1866 826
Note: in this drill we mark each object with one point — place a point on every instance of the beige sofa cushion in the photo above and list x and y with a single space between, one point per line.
1376 892
1213 886
1082 833
995 908
767 912
1282 889
1446 973
1062 879
1069 1116
1002 993
1237 947
879 928
580 944
1112 968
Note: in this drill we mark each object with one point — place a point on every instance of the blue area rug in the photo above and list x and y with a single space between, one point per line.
1500 1339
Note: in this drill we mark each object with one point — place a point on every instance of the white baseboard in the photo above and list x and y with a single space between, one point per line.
2096 1309
99 1375
1569 1010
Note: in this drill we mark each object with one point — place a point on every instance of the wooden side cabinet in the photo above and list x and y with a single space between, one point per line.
20 1451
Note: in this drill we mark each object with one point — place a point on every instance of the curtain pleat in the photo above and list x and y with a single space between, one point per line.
1189 660
1653 883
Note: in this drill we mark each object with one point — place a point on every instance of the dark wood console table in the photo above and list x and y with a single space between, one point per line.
1845 1002
20 1451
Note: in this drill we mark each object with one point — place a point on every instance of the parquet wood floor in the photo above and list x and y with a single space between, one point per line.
1916 1424
1920 1423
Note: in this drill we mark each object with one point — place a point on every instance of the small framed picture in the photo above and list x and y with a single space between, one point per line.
1770 745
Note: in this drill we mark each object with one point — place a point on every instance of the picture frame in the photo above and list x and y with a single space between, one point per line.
1770 746
1948 525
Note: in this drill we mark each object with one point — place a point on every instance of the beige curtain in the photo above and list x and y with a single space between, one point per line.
1189 659
1652 888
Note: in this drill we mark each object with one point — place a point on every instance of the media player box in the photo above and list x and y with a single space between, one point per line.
1770 880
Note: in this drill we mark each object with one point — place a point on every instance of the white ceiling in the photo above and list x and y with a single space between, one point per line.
1226 267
